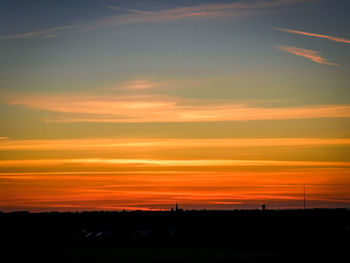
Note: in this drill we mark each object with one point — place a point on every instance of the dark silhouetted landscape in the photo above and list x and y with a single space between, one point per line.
177 236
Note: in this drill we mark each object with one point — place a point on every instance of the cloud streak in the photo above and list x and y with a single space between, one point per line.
45 33
128 143
237 9
131 10
95 162
140 84
335 39
307 53
136 109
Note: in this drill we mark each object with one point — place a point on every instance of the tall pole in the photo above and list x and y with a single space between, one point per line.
304 198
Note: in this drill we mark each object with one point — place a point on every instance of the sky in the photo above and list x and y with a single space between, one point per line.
115 104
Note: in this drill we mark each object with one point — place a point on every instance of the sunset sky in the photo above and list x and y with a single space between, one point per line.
131 104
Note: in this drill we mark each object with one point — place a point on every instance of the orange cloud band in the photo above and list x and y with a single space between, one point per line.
131 109
104 144
168 163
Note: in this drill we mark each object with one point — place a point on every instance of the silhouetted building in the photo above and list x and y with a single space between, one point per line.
177 209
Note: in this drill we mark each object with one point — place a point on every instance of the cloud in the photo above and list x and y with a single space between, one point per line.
45 33
335 39
236 9
140 84
133 109
91 162
138 143
130 10
307 53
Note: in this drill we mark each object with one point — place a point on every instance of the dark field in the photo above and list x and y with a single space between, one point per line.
182 236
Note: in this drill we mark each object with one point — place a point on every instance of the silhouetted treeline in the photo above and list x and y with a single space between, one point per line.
186 236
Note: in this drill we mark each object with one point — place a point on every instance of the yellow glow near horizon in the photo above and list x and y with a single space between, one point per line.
173 163
91 144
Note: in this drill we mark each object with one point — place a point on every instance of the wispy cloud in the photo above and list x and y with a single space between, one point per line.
335 39
132 109
236 9
140 84
45 33
129 143
91 162
307 53
130 10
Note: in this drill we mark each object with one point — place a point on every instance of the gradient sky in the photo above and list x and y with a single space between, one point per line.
112 104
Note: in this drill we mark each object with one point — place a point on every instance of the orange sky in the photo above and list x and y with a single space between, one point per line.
104 183
161 190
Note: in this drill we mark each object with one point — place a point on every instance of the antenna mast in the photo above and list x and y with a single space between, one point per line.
304 198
